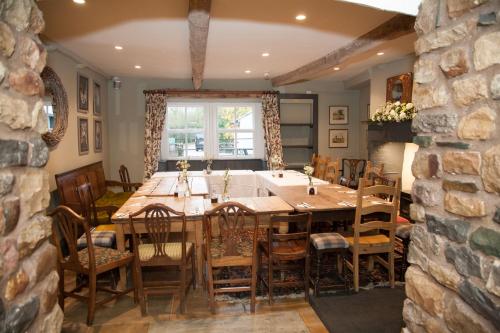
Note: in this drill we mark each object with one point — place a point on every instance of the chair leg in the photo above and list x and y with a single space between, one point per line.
306 278
355 263
343 269
193 270
135 282
91 298
61 288
270 278
211 293
371 263
317 279
182 291
391 269
253 289
140 289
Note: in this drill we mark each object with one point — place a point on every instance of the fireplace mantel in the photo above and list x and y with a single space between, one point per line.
390 132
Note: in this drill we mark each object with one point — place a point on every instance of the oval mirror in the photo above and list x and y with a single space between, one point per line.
55 106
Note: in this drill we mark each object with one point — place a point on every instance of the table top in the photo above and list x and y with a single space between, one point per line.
165 186
214 173
195 207
290 178
329 198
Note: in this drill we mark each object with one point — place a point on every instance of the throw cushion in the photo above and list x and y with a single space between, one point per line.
329 240
102 255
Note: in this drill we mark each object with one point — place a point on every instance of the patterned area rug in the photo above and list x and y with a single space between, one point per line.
279 322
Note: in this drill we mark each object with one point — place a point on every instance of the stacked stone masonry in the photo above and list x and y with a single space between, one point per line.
453 283
28 279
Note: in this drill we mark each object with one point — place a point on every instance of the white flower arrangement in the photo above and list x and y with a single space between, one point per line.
183 167
309 170
227 178
396 111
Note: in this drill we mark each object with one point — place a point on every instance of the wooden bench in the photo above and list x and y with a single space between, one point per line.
94 174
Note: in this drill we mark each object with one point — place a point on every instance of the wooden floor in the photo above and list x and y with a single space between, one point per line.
124 316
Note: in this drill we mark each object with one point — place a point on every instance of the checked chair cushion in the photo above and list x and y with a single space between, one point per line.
329 240
103 235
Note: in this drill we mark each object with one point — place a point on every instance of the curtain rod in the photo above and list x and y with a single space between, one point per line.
209 93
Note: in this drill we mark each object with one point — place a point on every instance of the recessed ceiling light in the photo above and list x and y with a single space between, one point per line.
80 2
137 66
300 17
248 71
118 47
336 68
266 54
380 53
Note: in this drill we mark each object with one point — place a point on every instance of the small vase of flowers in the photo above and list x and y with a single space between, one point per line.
394 112
208 170
182 180
311 189
225 192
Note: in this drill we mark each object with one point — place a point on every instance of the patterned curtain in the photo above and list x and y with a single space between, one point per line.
156 107
271 124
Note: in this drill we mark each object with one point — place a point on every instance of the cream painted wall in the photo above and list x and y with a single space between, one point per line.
364 100
126 116
380 74
65 155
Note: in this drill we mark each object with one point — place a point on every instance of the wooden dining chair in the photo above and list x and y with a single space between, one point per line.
230 232
314 160
332 173
283 249
353 169
375 243
103 232
91 261
159 252
127 185
320 169
373 170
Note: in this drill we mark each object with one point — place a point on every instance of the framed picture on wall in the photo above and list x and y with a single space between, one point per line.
338 138
97 135
339 114
83 93
399 88
83 135
97 99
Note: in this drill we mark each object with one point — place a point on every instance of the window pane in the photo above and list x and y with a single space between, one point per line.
195 144
244 144
176 144
176 117
194 117
225 117
244 118
226 144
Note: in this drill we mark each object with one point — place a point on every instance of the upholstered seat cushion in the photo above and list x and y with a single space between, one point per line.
403 230
329 240
372 240
286 248
173 250
103 235
401 219
111 198
103 256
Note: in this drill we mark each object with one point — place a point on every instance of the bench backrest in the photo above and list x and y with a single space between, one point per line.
68 181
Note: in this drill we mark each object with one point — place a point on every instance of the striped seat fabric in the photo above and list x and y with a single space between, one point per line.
329 240
173 250
103 235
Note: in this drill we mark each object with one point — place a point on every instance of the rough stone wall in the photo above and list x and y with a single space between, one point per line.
453 284
28 280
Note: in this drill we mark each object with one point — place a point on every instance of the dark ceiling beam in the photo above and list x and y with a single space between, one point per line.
199 19
397 26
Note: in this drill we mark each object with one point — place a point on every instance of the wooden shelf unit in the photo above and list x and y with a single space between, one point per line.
299 128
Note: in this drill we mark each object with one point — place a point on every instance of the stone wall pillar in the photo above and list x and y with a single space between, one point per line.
453 284
28 280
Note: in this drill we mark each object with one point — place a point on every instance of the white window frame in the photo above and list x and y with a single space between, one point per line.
211 131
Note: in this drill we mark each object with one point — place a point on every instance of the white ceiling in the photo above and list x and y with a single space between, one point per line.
156 36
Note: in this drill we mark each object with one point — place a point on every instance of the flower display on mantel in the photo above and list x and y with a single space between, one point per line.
394 111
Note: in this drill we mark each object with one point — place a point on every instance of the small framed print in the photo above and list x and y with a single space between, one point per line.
97 135
83 93
338 138
97 99
83 136
339 114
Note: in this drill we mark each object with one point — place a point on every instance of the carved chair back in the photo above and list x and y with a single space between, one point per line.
125 178
333 172
353 169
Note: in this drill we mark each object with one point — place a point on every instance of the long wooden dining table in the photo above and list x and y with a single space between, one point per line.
194 207
332 202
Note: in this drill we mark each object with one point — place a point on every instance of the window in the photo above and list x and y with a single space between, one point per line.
218 130
48 108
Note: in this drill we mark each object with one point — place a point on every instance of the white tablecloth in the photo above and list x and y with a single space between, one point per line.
267 182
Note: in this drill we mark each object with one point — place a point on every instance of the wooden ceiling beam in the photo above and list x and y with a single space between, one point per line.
199 19
397 26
